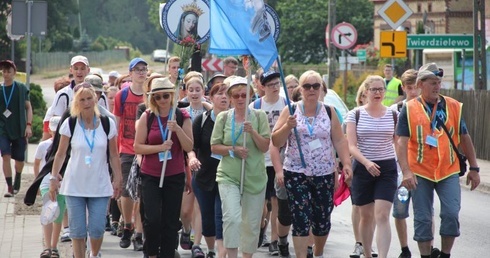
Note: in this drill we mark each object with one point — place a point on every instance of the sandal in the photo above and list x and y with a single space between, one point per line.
46 253
55 253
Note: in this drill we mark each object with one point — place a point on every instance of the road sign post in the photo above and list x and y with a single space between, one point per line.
344 36
395 12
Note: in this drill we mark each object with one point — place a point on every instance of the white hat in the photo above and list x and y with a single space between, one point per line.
114 74
79 59
50 210
161 85
53 122
236 82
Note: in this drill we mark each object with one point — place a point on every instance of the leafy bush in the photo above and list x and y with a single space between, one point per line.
38 110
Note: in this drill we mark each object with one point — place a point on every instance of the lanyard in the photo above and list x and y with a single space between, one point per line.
162 131
213 116
90 144
7 102
311 126
233 138
433 114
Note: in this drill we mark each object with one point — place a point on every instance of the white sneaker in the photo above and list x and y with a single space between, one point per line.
65 237
358 251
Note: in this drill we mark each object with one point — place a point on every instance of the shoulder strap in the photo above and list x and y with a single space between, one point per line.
258 103
329 111
149 120
67 99
72 122
204 116
124 96
293 107
399 106
179 117
358 114
449 136
104 120
395 117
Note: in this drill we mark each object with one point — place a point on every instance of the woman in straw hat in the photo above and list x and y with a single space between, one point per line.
151 141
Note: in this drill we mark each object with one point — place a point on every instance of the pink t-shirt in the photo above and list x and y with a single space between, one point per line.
125 138
151 164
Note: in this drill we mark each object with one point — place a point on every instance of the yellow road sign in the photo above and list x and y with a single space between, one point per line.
393 44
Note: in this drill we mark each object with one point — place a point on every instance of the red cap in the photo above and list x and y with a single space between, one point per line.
7 64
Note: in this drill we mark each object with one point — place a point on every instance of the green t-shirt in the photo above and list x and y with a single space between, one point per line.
14 125
229 168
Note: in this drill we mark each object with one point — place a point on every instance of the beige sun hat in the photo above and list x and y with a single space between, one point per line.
161 85
430 70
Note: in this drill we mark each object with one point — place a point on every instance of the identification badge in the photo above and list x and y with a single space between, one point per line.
315 144
7 113
216 156
232 154
161 156
88 160
431 141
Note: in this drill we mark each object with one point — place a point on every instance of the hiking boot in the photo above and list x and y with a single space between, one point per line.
125 241
435 252
358 251
185 240
273 248
114 227
283 250
137 243
211 254
197 252
405 254
120 229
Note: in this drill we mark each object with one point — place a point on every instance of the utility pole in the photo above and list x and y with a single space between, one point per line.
479 51
331 47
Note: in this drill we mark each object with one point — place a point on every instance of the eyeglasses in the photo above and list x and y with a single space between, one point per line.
273 85
140 71
439 73
237 96
82 85
292 86
159 97
315 86
374 90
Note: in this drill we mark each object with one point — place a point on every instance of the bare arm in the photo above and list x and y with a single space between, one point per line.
116 167
473 176
341 146
28 106
409 179
57 164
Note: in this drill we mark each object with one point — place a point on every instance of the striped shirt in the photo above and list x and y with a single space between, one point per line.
374 135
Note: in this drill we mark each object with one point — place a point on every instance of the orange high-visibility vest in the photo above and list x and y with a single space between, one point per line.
433 163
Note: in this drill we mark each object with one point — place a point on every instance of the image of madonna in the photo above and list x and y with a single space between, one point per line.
187 26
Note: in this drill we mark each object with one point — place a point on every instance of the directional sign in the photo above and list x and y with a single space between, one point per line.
436 41
344 35
212 64
395 12
361 54
393 44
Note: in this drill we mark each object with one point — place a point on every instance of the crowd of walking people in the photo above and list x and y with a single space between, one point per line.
162 164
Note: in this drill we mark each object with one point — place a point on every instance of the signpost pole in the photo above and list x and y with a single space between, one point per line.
345 75
28 58
462 69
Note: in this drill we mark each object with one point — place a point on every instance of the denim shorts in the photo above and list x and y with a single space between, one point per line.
80 222
449 192
15 148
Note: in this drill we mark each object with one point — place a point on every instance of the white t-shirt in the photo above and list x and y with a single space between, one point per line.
81 179
41 151
273 111
61 101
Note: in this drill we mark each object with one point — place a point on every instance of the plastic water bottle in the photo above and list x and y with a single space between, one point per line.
403 194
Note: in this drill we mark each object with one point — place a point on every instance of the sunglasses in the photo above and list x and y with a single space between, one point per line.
237 96
159 97
315 86
439 73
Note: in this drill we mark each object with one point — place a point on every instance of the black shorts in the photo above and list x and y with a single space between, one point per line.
126 162
366 188
270 191
15 148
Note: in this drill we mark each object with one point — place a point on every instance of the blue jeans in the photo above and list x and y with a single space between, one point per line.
211 215
449 193
78 220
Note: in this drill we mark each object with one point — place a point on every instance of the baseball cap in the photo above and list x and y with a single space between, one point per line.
430 70
235 82
95 81
217 75
114 74
8 64
53 122
79 59
268 76
136 61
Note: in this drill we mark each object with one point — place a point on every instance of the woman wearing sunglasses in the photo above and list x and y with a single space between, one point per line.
162 205
242 213
310 189
374 182
86 184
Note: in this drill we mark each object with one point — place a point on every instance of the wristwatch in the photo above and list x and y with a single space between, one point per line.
477 169
51 177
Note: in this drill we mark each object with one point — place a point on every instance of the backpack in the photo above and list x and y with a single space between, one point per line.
31 194
258 103
124 96
327 108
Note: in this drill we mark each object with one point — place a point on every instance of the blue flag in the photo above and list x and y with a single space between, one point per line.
240 27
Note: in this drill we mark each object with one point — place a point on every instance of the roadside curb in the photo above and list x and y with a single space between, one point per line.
483 187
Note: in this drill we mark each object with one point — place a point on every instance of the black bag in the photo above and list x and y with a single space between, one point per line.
461 157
